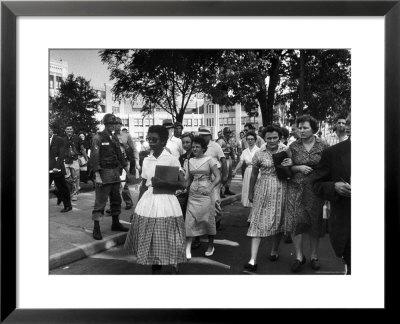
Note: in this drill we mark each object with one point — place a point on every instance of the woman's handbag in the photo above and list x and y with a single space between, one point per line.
283 172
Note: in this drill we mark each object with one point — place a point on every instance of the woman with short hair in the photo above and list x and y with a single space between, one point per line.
200 213
304 209
157 233
268 195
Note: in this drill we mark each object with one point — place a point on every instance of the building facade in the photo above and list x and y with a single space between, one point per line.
58 71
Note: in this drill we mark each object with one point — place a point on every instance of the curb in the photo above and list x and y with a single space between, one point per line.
59 259
83 251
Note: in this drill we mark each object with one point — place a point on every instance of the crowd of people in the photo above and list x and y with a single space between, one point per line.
292 181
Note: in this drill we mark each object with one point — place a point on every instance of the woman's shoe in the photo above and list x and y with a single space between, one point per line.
296 266
174 269
156 269
207 254
315 265
250 268
274 257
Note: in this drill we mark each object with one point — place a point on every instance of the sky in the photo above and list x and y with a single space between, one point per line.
85 63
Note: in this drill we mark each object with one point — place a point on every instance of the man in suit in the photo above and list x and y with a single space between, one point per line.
331 181
57 170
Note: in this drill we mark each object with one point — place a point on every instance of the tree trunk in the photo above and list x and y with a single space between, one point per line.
273 82
179 116
262 101
301 82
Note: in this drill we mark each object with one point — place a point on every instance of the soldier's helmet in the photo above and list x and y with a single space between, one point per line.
109 119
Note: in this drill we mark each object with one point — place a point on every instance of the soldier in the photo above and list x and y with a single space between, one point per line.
226 146
106 160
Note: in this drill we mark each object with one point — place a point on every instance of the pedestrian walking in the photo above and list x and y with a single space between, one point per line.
57 171
182 195
304 209
268 195
215 151
331 181
157 232
200 214
73 148
246 158
224 142
106 160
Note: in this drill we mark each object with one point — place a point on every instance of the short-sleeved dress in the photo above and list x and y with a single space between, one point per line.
157 232
200 212
267 214
247 157
304 208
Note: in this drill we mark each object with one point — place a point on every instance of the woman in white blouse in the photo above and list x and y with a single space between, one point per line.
247 157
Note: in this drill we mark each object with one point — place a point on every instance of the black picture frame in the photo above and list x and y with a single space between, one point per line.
10 10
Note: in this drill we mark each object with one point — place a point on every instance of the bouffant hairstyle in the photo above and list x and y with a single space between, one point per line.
200 140
308 118
162 131
251 133
270 129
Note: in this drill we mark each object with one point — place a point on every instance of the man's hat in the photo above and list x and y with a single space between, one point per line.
167 123
203 130
227 130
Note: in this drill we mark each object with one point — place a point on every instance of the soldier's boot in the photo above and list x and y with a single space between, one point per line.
96 231
117 226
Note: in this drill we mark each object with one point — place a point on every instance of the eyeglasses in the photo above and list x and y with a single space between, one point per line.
152 139
250 139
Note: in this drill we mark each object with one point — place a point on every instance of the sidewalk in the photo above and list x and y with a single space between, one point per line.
71 233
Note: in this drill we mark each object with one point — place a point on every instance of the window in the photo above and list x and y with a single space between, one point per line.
196 122
136 122
115 110
125 121
58 82
146 123
210 109
51 82
141 122
189 122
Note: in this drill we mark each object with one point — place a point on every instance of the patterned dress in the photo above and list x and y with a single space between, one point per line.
304 208
157 232
200 212
247 158
267 214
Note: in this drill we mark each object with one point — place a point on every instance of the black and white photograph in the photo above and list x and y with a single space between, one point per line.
164 158
200 161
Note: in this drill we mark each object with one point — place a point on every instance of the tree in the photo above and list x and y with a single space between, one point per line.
250 77
164 79
318 82
75 105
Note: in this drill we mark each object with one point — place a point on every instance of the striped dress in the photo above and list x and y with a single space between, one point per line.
267 214
157 232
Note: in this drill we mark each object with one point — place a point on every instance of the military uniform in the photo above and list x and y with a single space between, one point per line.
106 158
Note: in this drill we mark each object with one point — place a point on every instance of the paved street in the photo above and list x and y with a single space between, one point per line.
232 252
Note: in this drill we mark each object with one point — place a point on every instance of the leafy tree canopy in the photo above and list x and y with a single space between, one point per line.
326 83
164 79
75 105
